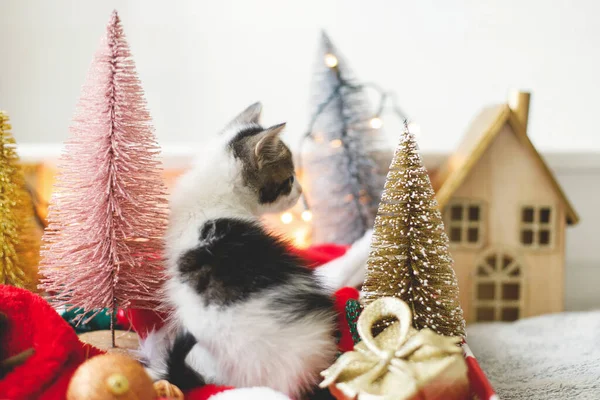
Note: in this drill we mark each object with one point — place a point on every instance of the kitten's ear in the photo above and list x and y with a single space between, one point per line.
249 115
267 146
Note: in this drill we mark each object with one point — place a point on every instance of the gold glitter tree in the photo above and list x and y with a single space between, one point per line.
409 255
19 245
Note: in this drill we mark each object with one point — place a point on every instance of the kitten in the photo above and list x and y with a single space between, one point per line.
247 310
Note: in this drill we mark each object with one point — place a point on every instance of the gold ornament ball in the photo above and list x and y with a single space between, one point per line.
111 376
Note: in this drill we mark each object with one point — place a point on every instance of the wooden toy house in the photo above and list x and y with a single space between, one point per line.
506 217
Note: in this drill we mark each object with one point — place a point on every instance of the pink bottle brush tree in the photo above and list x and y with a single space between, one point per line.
103 245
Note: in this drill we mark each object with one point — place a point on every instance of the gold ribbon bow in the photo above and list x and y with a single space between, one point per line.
398 363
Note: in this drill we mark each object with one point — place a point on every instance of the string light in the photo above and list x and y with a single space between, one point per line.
330 60
287 218
306 216
335 143
376 122
318 137
301 238
387 102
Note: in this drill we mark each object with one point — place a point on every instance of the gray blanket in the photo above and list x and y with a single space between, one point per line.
549 357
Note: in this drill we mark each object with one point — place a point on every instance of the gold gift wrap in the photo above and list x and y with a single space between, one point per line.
401 363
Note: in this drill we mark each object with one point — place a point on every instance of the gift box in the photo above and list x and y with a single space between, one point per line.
401 363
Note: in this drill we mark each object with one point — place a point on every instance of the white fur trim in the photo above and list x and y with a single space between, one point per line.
253 393
349 269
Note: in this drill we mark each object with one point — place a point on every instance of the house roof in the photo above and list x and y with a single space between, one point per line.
484 128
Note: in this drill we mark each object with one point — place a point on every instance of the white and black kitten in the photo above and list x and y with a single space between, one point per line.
249 311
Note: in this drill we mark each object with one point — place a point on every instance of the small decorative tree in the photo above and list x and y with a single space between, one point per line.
409 250
343 181
103 245
19 244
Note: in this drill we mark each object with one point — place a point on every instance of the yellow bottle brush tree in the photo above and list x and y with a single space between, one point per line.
19 241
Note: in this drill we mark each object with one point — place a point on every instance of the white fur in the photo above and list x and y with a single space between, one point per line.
255 393
213 189
153 348
250 346
245 344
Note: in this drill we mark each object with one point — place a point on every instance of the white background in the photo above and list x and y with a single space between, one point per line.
202 61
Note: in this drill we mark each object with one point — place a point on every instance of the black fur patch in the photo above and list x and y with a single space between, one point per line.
271 191
237 258
301 302
237 144
178 372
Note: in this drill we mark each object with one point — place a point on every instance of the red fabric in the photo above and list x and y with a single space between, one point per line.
144 321
205 392
480 385
320 254
32 322
123 320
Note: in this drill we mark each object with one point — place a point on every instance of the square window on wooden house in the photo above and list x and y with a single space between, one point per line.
464 223
485 314
544 237
473 213
486 291
455 235
456 213
510 314
473 235
527 215
536 227
544 215
527 237
510 291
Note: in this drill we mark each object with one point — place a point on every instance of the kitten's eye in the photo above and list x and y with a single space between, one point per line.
286 186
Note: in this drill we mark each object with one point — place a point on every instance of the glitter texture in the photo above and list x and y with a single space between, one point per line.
353 310
409 255
103 246
19 245
400 362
